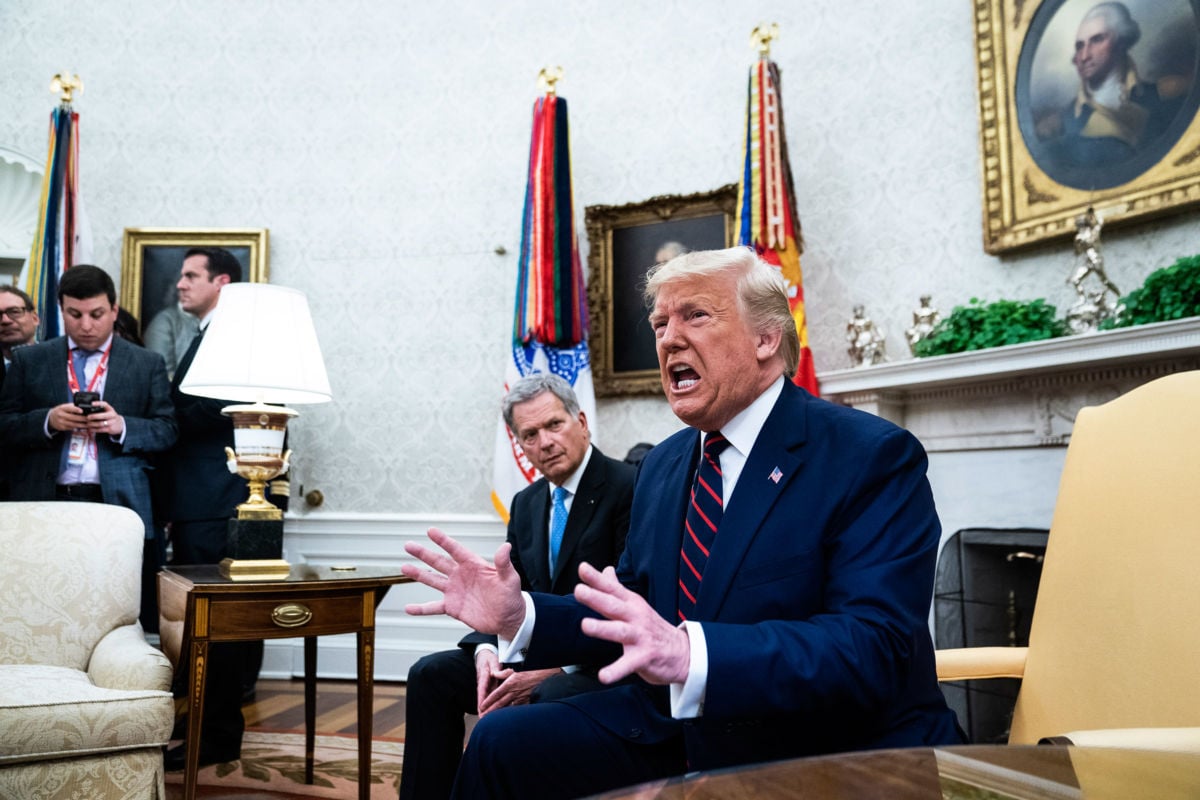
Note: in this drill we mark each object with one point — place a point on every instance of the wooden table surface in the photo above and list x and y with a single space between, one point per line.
984 772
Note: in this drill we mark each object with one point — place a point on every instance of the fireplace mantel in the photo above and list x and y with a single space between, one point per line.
1024 395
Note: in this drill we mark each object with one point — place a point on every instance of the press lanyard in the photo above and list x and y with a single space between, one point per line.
81 440
73 382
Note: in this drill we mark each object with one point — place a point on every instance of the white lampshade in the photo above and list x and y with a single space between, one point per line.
260 346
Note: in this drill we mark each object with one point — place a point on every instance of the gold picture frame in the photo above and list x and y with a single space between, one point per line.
151 259
623 243
1048 154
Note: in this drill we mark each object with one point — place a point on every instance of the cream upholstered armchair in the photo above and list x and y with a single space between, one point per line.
1114 647
85 702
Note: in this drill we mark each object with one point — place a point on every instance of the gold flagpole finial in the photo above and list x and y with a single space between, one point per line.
66 86
548 78
761 37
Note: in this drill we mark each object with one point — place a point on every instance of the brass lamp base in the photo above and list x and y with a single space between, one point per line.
255 537
248 569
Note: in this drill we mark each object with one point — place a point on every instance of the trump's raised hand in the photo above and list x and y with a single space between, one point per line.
653 648
486 596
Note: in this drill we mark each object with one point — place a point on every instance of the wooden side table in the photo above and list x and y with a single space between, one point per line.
198 606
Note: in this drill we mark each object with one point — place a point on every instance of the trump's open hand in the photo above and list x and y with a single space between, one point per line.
486 596
655 649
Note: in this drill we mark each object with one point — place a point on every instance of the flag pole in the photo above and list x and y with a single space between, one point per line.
761 37
548 78
54 246
767 219
66 86
550 323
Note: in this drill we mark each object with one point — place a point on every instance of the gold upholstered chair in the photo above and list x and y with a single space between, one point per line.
1114 647
85 702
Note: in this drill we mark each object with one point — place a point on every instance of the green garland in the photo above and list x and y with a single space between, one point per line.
978 326
1169 293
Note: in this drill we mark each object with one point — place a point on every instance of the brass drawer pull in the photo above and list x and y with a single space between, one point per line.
291 615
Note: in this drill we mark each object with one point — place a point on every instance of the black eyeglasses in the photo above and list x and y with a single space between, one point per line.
14 313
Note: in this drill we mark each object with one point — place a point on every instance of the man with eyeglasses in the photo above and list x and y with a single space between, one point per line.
18 324
18 327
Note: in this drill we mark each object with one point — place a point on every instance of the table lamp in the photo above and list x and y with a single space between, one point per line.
260 347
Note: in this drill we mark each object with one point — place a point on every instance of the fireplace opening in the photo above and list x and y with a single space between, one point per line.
984 591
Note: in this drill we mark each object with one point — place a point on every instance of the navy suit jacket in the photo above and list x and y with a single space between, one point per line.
198 482
595 532
813 605
136 387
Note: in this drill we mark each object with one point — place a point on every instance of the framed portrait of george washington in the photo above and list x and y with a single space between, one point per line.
151 259
623 243
1084 103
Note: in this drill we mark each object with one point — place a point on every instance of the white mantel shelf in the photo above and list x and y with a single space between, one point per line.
1157 340
1016 396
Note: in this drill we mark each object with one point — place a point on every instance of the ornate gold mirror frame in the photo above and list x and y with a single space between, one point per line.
1050 150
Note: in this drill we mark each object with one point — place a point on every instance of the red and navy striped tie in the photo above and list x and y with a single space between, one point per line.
704 512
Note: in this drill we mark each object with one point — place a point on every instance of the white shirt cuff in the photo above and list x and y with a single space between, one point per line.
687 699
514 652
485 646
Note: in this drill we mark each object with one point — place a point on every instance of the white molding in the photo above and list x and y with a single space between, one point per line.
31 164
375 540
20 193
1024 395
1139 343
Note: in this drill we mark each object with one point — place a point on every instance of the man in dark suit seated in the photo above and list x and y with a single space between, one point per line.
592 519
98 449
772 598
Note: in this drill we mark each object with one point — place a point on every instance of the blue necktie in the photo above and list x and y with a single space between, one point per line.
558 524
704 512
79 358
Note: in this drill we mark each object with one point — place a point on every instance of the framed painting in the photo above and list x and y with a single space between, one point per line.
624 242
1085 104
151 259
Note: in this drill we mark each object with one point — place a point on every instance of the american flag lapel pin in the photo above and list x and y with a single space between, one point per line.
775 475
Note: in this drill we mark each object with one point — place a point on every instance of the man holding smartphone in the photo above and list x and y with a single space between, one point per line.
81 414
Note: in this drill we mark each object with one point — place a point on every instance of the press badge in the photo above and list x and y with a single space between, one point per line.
77 448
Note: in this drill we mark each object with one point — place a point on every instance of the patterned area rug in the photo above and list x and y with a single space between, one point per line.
275 762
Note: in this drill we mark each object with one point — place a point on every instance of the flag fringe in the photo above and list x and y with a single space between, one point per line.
766 213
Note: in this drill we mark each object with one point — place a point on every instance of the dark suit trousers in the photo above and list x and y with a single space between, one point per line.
233 666
552 750
439 691
153 557
198 541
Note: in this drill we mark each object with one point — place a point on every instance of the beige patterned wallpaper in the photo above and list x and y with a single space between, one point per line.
384 145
